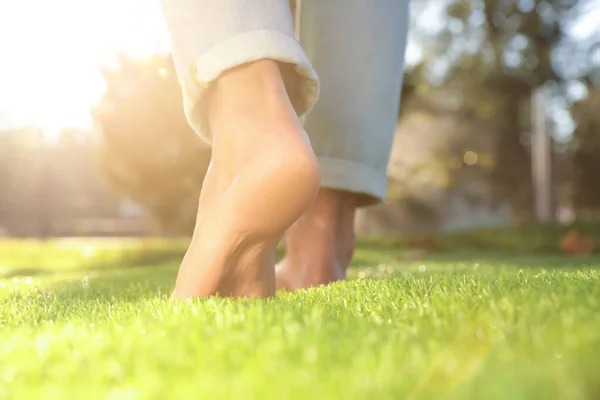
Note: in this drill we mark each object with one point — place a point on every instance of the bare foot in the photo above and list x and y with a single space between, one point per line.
263 176
320 245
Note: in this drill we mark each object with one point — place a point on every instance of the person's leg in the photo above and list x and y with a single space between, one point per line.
246 79
358 48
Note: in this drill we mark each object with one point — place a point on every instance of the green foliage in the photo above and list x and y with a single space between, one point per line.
150 153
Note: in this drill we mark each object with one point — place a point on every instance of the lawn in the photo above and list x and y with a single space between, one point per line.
459 325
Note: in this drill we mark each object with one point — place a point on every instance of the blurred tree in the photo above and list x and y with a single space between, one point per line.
48 185
22 155
490 55
73 184
586 158
149 152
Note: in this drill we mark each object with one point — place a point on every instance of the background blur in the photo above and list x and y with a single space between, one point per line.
499 123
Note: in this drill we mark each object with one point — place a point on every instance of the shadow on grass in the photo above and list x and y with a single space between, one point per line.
145 282
148 273
365 256
148 260
126 285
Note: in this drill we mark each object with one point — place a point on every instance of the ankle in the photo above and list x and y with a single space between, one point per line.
325 271
248 107
346 252
260 79
262 71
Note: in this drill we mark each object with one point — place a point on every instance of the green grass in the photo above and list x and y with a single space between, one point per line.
32 257
531 238
455 326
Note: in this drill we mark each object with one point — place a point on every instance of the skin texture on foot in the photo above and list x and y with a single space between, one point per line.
320 245
263 176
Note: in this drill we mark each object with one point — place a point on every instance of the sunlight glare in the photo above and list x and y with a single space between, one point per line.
53 52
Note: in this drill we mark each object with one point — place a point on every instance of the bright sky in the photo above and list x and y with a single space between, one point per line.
588 22
52 51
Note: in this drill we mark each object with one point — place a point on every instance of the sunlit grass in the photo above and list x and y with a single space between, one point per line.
32 257
453 327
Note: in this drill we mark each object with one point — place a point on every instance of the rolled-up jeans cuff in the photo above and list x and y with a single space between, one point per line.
302 83
340 174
